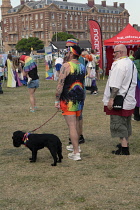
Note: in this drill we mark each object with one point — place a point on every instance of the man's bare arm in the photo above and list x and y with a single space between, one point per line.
114 92
63 74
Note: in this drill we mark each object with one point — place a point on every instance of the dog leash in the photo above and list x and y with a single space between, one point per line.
45 122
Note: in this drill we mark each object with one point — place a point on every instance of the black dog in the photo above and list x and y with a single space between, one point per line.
38 141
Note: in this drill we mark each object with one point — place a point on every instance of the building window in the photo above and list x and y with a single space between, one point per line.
76 17
15 19
26 18
41 25
124 20
52 16
41 16
10 20
53 25
36 17
11 28
81 26
42 35
5 29
11 37
71 26
71 18
60 25
76 26
60 16
85 18
30 17
66 17
36 25
4 21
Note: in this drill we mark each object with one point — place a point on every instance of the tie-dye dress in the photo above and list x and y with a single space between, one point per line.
73 94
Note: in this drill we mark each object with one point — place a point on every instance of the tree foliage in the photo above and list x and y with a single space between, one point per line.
62 36
25 45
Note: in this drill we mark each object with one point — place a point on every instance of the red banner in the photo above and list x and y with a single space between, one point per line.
96 39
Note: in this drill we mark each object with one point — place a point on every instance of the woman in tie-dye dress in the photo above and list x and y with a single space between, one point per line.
70 95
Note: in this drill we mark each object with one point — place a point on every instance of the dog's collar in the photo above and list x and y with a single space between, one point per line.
25 138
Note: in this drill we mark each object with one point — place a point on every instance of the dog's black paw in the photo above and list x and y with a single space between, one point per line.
30 158
53 164
59 161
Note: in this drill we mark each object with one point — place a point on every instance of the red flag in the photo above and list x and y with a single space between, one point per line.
96 39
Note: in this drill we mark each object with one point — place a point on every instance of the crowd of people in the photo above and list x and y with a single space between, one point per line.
22 71
77 72
70 93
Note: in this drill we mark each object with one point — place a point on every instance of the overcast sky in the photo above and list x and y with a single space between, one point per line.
133 7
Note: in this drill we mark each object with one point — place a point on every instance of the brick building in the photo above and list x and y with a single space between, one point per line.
44 18
1 45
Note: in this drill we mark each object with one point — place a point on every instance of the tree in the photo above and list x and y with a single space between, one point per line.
62 36
25 45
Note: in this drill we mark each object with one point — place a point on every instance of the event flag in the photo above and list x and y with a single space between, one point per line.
96 39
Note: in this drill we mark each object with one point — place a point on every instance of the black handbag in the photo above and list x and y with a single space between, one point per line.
119 99
118 102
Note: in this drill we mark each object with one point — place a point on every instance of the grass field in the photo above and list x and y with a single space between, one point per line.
100 181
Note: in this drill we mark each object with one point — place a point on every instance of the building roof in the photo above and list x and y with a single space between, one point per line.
61 44
70 6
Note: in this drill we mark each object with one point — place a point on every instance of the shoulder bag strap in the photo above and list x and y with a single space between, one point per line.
130 82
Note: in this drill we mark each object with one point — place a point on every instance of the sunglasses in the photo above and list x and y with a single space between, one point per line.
116 51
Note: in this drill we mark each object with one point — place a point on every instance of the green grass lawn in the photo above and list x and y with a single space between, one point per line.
100 180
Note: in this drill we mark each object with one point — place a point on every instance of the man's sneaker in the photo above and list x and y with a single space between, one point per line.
70 141
70 148
73 156
81 140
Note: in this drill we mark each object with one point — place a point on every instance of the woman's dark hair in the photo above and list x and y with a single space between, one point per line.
137 54
9 56
78 50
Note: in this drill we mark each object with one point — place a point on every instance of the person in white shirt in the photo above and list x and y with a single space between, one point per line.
58 64
121 73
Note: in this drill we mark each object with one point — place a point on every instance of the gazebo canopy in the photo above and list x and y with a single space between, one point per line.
128 36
